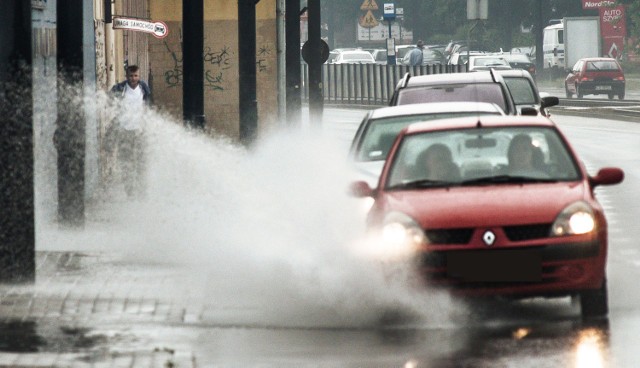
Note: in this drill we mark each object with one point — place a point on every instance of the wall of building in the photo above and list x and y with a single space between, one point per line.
220 63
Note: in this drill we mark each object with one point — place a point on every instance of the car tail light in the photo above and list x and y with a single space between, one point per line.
586 79
620 78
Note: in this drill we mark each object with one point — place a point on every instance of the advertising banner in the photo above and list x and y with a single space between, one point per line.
613 26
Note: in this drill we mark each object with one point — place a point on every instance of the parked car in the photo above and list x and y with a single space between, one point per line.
482 86
429 57
486 62
525 93
596 76
354 57
379 129
461 58
493 206
520 61
380 56
530 51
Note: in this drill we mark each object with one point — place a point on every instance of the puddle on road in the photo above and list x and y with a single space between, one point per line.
30 337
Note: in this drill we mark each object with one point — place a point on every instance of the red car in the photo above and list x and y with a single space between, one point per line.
494 205
595 76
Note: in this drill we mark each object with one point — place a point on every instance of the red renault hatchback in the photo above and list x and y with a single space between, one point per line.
494 206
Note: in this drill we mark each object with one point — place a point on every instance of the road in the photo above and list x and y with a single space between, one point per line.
246 258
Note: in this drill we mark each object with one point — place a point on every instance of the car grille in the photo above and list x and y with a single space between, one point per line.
463 235
449 236
527 232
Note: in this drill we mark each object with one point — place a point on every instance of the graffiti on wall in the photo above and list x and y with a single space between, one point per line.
264 52
216 62
173 77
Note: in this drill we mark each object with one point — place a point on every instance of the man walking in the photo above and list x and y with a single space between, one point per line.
415 55
133 96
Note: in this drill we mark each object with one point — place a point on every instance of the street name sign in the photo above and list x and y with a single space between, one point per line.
157 29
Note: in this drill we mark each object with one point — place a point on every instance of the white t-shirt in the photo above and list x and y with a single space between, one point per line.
132 108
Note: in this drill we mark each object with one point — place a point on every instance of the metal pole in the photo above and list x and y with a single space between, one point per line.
193 63
282 70
316 100
17 213
292 61
247 68
70 138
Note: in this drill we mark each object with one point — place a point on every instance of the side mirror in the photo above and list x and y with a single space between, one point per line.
360 189
607 176
548 101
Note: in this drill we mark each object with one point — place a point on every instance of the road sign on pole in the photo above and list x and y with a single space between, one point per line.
477 9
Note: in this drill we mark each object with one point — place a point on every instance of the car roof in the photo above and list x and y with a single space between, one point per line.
449 78
434 108
514 73
479 121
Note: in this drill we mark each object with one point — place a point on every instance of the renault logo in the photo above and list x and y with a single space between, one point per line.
489 237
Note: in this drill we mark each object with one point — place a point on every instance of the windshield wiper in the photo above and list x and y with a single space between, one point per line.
507 179
422 183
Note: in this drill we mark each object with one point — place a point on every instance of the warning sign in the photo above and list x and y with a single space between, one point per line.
369 5
368 21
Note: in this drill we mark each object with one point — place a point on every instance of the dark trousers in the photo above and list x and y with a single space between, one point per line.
131 155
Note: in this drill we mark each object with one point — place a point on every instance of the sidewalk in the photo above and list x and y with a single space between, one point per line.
82 310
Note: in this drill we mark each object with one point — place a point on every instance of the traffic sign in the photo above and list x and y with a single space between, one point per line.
389 11
369 5
158 29
369 20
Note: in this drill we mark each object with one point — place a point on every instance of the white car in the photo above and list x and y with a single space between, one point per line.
354 57
486 62
379 128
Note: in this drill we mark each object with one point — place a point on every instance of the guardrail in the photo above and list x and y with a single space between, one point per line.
366 84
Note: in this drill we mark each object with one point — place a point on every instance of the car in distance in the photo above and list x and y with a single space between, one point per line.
595 76
525 93
379 128
487 62
353 57
482 86
521 61
493 206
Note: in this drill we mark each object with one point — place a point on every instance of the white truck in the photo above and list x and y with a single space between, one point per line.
571 39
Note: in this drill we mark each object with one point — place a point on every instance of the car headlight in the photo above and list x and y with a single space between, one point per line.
575 219
402 232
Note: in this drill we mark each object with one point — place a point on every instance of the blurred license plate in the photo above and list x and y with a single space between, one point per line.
506 265
603 88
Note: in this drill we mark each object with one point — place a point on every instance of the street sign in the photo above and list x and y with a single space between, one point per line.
477 9
307 52
369 20
389 11
369 5
158 29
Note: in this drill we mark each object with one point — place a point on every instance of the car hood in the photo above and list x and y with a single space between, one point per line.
486 205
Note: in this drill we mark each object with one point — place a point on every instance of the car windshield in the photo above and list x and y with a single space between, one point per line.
521 90
480 92
481 156
602 66
380 134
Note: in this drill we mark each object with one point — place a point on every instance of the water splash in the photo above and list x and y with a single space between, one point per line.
268 229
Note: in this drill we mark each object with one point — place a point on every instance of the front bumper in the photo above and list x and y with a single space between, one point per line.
551 270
